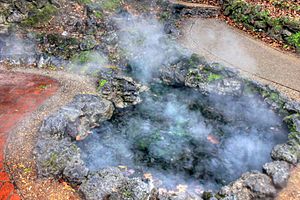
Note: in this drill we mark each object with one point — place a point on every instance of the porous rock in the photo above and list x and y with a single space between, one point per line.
251 185
110 183
278 171
78 117
122 91
285 152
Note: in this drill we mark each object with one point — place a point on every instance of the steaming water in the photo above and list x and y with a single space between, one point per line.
182 137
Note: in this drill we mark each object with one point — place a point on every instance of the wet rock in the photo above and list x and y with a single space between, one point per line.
285 152
121 90
251 185
278 171
78 117
110 183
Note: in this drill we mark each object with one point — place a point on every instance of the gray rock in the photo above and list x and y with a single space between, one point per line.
53 156
78 117
111 184
178 196
251 185
16 16
122 91
278 171
293 122
285 152
75 172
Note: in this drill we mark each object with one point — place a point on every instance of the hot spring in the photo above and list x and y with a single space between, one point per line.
181 139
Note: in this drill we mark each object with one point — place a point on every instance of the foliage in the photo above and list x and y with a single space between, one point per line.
295 40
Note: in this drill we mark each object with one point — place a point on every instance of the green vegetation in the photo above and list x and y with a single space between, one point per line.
52 162
41 16
256 18
295 40
110 4
107 5
82 58
213 77
101 84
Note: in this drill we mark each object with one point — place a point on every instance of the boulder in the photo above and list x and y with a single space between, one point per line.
121 90
78 117
278 171
53 156
251 185
111 184
285 152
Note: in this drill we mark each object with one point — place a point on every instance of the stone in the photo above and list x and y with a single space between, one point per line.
121 90
285 152
53 156
293 122
78 117
278 171
16 17
110 183
251 185
75 172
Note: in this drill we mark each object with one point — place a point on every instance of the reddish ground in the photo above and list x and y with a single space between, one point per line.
20 94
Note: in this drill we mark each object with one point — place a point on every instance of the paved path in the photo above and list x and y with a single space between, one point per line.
20 94
219 42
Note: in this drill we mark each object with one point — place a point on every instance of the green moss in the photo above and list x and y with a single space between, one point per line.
111 4
52 162
84 1
213 77
127 194
101 84
41 16
82 58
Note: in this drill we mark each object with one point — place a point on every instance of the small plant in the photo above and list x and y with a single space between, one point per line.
295 40
101 84
213 77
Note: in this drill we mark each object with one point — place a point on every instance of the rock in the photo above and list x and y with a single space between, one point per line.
278 171
2 19
78 117
286 33
293 122
110 183
53 156
251 185
75 172
285 152
177 196
121 90
16 17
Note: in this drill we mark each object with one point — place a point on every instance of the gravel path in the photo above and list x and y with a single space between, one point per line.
22 140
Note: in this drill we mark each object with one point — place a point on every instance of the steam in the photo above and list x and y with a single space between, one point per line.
167 136
146 46
88 63
17 49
